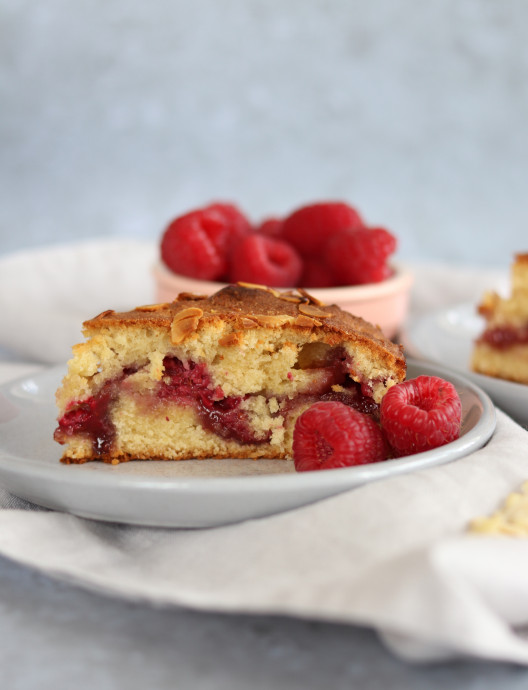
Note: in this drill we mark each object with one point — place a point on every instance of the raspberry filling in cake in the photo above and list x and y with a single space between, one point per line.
503 337
189 384
90 418
224 376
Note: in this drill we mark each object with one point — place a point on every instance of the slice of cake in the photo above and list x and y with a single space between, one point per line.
221 376
502 348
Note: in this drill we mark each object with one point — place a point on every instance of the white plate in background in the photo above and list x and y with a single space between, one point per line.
47 293
446 337
190 493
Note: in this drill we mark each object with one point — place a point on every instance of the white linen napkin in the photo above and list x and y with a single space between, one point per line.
394 555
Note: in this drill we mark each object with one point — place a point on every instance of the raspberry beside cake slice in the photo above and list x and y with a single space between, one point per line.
221 376
502 348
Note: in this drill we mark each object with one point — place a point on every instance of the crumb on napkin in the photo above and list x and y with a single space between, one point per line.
511 518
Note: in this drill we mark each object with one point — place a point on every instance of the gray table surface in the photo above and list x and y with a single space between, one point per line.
53 635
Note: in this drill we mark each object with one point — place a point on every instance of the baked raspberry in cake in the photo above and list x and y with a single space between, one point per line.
224 376
502 348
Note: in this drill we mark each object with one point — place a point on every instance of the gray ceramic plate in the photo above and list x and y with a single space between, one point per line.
446 337
194 493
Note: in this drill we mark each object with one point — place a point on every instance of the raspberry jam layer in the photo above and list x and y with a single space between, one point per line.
350 394
503 337
189 384
91 419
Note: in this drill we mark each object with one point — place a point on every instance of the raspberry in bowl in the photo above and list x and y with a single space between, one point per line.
324 247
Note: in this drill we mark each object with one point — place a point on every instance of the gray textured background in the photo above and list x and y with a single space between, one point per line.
114 116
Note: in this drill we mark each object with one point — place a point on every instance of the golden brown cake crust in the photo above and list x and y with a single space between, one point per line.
247 307
244 453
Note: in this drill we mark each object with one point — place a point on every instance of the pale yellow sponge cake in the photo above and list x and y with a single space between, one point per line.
224 376
502 348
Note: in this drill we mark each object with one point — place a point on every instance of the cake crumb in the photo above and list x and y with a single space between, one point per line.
511 519
273 405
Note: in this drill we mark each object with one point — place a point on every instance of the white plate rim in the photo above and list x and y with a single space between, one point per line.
327 482
36 467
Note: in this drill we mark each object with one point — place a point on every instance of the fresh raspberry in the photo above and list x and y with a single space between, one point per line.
272 227
198 244
237 224
421 414
265 260
190 245
310 227
360 256
331 434
316 274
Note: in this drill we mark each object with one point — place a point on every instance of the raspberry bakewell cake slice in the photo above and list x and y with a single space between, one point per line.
224 376
502 348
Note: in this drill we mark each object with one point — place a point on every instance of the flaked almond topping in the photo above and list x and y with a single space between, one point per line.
272 320
184 323
231 339
311 298
152 307
189 312
248 323
258 286
288 297
183 296
103 314
306 321
180 330
311 310
253 286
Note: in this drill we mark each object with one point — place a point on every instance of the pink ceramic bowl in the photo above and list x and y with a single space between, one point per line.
385 304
